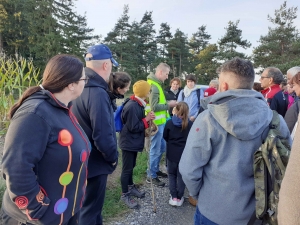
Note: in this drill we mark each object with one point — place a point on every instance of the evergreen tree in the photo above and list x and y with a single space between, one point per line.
199 40
147 44
280 47
231 41
41 29
163 40
178 52
206 69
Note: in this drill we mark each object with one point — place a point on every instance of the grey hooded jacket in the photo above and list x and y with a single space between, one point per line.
217 162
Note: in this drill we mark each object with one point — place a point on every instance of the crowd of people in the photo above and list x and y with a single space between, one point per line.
61 144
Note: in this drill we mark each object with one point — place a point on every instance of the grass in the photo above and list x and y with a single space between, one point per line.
2 188
113 207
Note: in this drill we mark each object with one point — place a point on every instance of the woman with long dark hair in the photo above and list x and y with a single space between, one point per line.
46 151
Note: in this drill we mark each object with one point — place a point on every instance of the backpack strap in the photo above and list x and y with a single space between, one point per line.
183 95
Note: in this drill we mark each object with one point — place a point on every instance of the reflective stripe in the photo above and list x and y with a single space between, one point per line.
160 116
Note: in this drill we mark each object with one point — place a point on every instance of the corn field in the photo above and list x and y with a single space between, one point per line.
15 76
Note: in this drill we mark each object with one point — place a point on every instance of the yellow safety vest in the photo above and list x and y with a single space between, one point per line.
160 116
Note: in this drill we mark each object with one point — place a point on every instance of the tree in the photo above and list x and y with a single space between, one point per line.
147 44
231 41
117 39
178 52
199 40
280 47
41 29
163 40
206 69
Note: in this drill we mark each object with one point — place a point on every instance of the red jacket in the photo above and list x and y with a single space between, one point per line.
269 92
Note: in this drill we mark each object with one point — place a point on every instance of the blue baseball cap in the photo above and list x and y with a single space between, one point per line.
100 52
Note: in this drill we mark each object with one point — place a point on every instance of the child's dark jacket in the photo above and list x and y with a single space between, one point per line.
132 134
175 138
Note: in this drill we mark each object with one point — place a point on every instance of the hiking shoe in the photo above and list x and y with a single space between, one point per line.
173 201
133 191
161 174
155 181
130 202
180 201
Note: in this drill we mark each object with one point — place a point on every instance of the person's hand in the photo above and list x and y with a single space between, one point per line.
192 118
172 103
150 116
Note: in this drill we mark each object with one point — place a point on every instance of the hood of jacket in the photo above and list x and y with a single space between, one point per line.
176 121
242 113
152 76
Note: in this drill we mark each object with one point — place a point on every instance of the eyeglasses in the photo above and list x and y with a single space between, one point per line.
261 77
85 80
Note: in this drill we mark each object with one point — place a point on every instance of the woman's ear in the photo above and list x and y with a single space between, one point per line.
71 87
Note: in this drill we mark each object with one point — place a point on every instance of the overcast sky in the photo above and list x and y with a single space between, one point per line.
188 15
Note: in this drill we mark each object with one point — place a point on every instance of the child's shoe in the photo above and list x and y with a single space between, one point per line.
180 201
173 201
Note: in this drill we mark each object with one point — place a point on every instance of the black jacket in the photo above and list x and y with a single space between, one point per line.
279 103
94 112
44 148
175 139
291 115
132 135
171 96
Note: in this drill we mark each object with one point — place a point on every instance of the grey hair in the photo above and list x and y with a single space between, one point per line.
276 74
293 71
162 66
214 83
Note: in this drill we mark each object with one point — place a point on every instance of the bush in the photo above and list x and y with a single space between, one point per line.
15 77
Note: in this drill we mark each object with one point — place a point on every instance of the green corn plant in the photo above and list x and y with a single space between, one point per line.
15 76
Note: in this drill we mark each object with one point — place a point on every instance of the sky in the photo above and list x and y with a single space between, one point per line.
188 15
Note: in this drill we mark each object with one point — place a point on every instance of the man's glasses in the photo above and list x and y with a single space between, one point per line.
85 80
261 77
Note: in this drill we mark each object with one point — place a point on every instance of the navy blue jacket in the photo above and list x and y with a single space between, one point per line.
279 103
44 162
176 139
94 112
132 135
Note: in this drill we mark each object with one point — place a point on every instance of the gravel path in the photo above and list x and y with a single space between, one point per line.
165 214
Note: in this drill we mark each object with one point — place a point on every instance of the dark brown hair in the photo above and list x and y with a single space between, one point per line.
177 80
182 111
60 71
191 77
118 80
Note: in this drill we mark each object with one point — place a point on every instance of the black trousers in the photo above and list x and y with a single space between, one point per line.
90 213
176 184
129 161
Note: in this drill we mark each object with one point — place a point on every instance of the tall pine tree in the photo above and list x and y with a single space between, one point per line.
229 43
281 46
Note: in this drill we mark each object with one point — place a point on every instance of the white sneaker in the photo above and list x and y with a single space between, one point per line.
173 201
180 201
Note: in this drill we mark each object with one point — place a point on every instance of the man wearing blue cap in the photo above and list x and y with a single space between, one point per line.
94 112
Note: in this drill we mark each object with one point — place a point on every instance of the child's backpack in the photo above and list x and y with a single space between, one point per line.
117 116
270 162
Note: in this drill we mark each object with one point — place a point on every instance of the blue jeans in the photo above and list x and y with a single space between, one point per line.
199 219
157 148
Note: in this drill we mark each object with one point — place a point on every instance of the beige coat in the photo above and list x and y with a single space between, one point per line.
289 195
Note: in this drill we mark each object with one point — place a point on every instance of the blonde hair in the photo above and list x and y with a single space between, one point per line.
181 110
